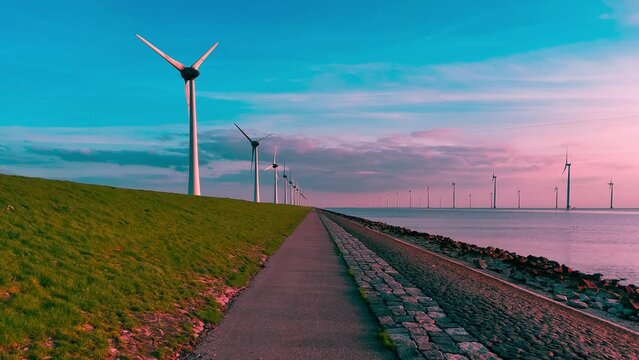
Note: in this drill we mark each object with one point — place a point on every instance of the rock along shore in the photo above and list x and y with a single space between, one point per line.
559 281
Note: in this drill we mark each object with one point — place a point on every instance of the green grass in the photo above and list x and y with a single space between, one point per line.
73 254
363 294
386 340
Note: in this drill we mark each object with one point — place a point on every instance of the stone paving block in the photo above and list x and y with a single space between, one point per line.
476 351
436 315
430 328
424 319
417 331
404 318
433 354
446 323
410 324
408 352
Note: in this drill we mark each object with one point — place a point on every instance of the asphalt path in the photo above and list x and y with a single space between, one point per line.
302 305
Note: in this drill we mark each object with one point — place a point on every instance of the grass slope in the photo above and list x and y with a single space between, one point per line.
73 254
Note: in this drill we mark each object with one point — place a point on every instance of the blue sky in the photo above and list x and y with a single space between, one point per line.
417 89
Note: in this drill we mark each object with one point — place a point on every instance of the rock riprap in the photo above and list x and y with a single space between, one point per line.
414 321
535 272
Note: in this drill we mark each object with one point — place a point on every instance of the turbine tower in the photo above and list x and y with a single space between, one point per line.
470 201
518 198
556 197
275 178
188 74
494 198
285 185
428 197
453 194
611 185
567 166
255 160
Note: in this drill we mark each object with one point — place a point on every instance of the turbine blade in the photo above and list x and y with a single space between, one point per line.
249 139
176 64
199 62
275 157
267 136
268 168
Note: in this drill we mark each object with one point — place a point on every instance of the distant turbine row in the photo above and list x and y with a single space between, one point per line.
493 193
189 74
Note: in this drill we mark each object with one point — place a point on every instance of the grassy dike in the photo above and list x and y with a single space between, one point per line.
81 265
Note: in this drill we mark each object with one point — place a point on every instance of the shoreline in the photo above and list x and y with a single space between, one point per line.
605 298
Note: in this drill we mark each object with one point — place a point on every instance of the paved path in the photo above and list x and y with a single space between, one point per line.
510 322
303 305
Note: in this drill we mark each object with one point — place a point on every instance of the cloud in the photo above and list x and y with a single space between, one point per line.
625 11
118 157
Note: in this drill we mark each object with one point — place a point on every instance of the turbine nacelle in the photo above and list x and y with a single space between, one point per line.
189 73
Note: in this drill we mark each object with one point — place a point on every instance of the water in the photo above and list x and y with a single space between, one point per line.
589 240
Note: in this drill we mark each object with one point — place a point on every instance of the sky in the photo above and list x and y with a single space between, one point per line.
365 98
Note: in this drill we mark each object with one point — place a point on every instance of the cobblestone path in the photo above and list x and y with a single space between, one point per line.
414 321
509 322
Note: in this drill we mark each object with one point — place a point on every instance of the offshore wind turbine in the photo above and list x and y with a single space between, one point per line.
453 183
494 198
556 197
274 166
518 198
189 74
611 186
427 197
255 160
470 200
567 166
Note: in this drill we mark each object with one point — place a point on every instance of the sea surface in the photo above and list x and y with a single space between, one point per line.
588 240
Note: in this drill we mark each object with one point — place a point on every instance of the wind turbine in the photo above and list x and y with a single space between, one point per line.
428 197
556 197
470 200
611 185
291 187
275 178
453 194
518 198
188 74
567 166
285 185
255 160
494 199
